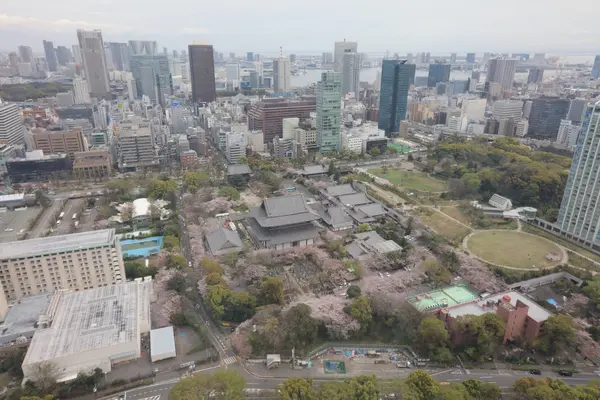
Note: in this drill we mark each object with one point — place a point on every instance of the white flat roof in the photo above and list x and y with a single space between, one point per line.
162 341
535 312
89 320
12 197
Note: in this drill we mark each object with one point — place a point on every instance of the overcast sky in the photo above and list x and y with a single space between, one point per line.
311 26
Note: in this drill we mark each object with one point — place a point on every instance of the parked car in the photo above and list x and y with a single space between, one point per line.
564 372
535 372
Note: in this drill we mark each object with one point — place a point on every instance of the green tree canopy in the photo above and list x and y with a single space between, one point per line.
432 335
353 291
557 332
271 290
438 274
171 242
160 189
194 180
423 384
361 311
230 192
222 385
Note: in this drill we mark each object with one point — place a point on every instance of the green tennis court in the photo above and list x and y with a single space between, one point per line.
441 298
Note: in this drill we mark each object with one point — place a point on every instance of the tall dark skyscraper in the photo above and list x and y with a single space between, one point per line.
536 76
202 73
470 58
396 78
546 113
63 55
94 62
438 73
50 56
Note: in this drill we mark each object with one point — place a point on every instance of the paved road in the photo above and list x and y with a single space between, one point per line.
45 221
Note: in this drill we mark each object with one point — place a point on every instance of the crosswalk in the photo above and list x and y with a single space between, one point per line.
230 360
150 398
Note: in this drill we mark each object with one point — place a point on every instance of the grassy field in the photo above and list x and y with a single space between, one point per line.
412 180
456 213
577 261
513 249
444 225
562 242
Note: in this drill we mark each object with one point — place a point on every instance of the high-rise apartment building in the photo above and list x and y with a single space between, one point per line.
329 103
94 62
77 261
502 71
120 54
351 73
81 91
596 68
50 55
281 74
152 77
339 49
545 116
11 125
438 73
579 214
63 55
536 76
268 115
26 54
396 78
202 73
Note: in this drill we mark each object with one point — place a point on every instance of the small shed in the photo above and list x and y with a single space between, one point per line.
162 344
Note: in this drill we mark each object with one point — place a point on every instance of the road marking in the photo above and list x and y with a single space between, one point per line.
454 380
230 360
151 398
485 377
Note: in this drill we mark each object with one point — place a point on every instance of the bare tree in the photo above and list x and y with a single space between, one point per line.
45 375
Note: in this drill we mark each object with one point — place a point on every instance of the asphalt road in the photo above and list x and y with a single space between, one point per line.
46 219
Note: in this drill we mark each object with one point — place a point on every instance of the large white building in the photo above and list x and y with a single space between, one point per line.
474 109
94 328
579 215
502 71
235 147
281 74
81 91
11 126
339 49
567 133
351 73
507 109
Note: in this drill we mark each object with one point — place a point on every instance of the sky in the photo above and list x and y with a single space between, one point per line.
311 26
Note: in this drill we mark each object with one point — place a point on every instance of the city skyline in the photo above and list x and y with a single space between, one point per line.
30 23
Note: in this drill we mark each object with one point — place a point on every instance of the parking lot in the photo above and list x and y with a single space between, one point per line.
14 224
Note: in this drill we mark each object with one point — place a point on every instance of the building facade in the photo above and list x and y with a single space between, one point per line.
438 73
535 76
545 116
281 74
152 77
329 103
59 142
396 78
351 73
94 62
95 164
596 68
202 73
268 115
579 214
50 54
25 54
11 126
338 55
502 71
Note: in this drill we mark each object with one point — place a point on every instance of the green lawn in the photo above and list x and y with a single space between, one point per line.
444 226
513 249
581 250
412 180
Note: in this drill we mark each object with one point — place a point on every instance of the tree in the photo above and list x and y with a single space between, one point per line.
171 242
364 228
41 199
480 335
177 283
214 278
44 376
178 319
353 291
239 306
438 274
423 384
432 335
271 290
557 331
375 151
361 311
300 328
297 389
592 290
222 385
137 269
210 265
215 299
176 261
482 390
230 192
193 181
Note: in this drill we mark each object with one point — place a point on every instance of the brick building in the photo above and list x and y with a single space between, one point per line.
268 115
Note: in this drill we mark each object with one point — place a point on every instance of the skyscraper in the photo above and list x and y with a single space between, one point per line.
281 74
338 54
25 54
470 58
94 62
536 76
596 68
438 73
329 103
502 71
396 77
120 54
152 77
579 214
453 58
249 56
351 73
63 55
77 54
327 58
202 73
50 56
545 116
147 47
81 91
11 126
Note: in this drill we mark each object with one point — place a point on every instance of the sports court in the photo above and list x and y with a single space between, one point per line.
441 298
141 247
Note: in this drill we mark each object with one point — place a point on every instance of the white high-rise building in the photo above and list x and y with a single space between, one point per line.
507 109
579 215
339 49
522 127
94 62
474 109
502 71
351 73
12 130
281 74
233 74
567 133
82 91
